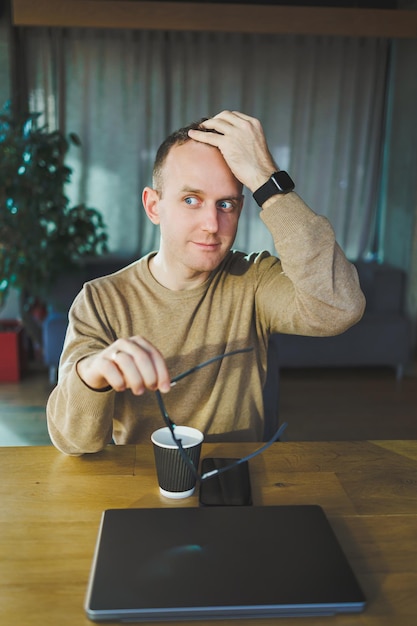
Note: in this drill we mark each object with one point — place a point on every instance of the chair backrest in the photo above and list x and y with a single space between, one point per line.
271 391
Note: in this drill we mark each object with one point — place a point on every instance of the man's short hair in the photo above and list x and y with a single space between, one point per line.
177 138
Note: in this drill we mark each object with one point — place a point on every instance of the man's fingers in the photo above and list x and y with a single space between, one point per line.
163 380
140 364
241 140
228 121
129 373
212 139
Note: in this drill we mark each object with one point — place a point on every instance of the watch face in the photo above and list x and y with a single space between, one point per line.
283 181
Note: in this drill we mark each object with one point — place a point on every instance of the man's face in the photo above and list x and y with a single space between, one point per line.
198 210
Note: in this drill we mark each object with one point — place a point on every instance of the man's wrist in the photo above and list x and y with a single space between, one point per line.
277 184
80 366
261 178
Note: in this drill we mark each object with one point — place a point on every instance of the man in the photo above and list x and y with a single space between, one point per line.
132 332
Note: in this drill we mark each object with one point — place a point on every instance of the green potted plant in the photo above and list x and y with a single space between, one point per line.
41 236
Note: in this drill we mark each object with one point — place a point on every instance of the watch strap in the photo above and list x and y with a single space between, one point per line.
280 182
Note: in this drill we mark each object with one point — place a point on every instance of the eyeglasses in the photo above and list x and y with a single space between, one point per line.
171 424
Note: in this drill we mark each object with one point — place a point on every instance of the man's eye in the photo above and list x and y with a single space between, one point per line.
226 205
191 201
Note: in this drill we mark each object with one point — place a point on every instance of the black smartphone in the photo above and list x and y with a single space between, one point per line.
231 488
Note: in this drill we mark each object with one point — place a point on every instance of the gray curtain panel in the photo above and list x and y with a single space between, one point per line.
320 99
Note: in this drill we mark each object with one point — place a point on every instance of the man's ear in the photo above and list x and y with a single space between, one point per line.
150 200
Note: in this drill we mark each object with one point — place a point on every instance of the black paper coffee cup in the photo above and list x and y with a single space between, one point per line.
175 478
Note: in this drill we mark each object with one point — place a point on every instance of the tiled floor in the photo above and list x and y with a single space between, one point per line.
319 405
22 426
22 410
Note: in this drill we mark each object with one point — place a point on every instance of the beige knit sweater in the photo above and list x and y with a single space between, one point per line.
312 290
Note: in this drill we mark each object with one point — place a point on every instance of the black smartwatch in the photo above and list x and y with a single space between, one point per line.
280 182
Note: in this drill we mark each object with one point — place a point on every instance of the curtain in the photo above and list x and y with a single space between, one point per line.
320 100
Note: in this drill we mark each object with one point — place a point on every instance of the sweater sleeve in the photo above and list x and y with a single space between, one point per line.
80 420
319 292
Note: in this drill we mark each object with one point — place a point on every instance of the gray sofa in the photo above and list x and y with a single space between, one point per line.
381 338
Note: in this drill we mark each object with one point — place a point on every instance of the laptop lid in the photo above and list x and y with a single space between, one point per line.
219 562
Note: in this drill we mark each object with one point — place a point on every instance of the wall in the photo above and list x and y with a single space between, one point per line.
219 16
4 54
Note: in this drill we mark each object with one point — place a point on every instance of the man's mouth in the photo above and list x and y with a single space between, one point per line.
213 245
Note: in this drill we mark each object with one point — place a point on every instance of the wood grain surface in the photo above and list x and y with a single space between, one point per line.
51 507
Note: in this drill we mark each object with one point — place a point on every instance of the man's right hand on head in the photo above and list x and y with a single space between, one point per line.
241 140
132 363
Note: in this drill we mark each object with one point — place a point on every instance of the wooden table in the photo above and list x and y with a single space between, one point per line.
51 507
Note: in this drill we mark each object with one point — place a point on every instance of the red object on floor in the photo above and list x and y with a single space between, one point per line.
11 350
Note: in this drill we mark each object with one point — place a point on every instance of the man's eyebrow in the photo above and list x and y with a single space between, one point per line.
187 189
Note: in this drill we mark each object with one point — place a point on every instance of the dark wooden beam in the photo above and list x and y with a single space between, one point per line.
221 17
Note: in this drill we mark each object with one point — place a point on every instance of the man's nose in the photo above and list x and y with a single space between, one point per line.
210 221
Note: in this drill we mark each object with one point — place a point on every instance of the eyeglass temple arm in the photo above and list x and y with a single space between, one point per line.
162 408
164 412
212 360
216 472
275 438
171 425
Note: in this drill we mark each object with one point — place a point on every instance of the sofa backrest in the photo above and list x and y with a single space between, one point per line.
383 286
69 284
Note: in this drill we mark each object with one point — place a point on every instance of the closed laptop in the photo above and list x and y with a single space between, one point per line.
219 562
